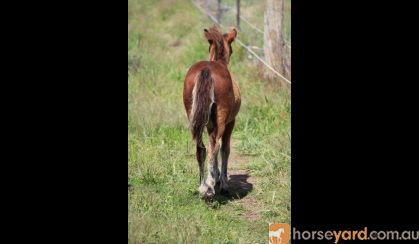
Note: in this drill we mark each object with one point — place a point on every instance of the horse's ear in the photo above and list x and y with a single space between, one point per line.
231 35
208 36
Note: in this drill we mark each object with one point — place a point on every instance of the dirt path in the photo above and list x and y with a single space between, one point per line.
237 163
241 182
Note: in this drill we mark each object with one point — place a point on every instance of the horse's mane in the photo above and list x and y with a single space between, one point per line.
215 36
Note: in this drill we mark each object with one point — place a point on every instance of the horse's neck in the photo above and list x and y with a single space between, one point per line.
223 62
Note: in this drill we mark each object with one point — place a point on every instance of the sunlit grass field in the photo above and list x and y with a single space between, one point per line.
165 37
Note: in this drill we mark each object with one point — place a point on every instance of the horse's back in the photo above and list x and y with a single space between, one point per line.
218 71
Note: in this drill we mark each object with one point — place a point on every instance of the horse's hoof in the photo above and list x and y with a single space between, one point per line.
224 192
209 200
209 197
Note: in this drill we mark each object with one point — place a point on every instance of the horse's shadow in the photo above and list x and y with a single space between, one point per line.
238 189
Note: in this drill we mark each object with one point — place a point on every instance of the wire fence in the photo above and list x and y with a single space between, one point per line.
222 13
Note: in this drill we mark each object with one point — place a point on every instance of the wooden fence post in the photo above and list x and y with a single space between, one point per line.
273 39
238 14
219 11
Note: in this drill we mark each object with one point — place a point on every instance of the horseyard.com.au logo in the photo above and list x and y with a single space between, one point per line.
279 233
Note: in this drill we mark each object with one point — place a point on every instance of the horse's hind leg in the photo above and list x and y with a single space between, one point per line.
201 153
215 172
212 154
225 153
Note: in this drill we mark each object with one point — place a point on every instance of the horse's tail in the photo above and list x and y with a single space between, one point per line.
202 100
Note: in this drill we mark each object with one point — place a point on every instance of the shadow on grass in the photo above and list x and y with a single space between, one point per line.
238 189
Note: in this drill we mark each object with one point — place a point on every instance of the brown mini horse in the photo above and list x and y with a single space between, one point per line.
212 99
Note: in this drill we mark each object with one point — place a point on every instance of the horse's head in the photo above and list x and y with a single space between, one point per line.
219 44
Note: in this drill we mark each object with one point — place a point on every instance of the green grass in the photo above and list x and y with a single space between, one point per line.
164 39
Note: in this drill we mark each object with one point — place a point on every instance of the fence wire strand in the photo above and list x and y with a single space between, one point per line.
247 21
242 44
